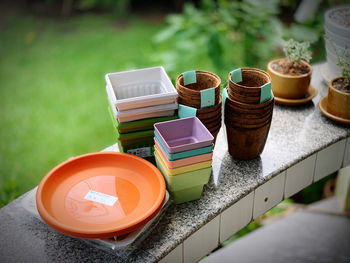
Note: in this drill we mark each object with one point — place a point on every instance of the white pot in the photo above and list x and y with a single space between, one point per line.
338 41
334 26
333 69
336 49
140 88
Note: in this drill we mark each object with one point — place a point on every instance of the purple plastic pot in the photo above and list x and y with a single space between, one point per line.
183 134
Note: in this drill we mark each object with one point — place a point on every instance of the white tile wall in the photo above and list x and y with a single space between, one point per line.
175 256
261 200
346 160
329 160
202 242
299 176
268 195
236 217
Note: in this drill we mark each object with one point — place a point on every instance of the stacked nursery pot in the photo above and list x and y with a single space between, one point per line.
201 91
137 100
183 153
248 112
337 37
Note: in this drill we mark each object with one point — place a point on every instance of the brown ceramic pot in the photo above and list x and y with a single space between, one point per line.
248 90
338 102
288 86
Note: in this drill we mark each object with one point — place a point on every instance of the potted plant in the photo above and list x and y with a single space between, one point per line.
290 76
338 102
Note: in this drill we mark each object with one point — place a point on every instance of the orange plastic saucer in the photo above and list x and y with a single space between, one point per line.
100 195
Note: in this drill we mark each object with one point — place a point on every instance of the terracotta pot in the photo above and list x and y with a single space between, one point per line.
248 90
246 143
288 86
338 102
190 94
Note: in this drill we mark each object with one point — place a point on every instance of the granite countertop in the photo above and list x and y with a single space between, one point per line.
295 134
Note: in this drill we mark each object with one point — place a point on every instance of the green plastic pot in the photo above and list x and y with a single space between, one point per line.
185 180
132 148
188 194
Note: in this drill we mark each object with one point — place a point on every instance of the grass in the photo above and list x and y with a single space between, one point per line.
52 93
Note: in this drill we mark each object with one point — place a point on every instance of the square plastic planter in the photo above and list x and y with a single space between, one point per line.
143 149
140 88
132 141
183 134
185 180
147 134
138 125
188 194
183 169
147 112
142 113
183 162
182 155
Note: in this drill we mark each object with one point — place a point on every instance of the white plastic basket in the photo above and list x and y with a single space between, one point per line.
140 88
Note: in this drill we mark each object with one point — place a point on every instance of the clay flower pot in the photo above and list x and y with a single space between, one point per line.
338 102
190 94
249 89
289 86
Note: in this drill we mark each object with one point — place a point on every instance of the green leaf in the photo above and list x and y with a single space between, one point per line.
215 50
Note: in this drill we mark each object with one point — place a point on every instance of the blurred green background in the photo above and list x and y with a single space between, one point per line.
54 55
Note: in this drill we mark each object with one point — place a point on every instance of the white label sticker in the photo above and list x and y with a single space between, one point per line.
101 198
140 152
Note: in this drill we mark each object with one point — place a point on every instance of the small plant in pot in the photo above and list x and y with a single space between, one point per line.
338 102
291 76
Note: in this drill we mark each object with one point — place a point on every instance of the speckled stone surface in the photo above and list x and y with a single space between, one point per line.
295 134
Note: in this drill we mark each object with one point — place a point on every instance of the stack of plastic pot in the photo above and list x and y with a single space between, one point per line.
201 91
183 152
248 112
137 100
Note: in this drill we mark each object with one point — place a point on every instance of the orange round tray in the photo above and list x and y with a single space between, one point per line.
100 195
